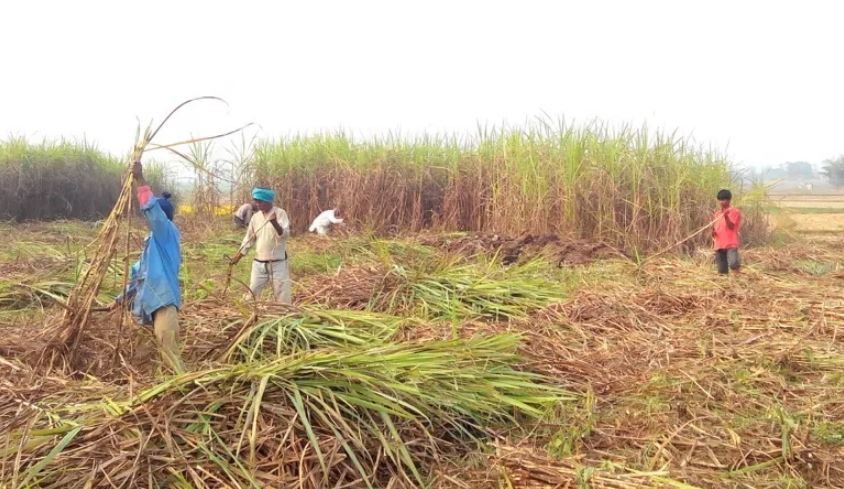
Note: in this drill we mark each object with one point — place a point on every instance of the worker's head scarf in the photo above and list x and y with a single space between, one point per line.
265 194
166 205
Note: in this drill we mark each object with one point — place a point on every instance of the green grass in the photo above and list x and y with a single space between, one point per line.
815 267
805 210
310 262
829 432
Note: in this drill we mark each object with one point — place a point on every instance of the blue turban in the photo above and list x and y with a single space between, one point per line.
265 194
166 205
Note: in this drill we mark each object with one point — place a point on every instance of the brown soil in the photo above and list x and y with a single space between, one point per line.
27 267
350 288
559 250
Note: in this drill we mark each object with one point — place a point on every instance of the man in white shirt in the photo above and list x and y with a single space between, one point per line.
243 214
268 230
322 223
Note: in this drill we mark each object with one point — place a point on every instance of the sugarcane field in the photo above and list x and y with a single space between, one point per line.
421 245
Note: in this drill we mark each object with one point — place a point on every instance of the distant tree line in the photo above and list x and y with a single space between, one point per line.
791 170
833 170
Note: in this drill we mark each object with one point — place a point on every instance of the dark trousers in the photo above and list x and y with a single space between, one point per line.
727 260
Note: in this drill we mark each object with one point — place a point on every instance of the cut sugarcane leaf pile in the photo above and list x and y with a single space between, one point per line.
465 291
365 417
310 328
39 294
443 289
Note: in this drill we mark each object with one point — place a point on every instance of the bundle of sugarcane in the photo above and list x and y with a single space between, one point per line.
81 300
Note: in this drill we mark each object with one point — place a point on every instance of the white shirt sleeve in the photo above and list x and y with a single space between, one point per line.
333 219
249 239
284 222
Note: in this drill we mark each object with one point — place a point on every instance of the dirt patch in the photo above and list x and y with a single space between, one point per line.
28 267
622 311
13 269
561 251
110 351
350 288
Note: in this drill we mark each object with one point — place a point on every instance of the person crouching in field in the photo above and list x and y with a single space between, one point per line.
153 292
725 233
243 214
268 230
322 223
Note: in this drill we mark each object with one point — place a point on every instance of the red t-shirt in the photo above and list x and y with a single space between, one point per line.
726 238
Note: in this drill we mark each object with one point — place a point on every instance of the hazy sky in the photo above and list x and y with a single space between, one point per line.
764 79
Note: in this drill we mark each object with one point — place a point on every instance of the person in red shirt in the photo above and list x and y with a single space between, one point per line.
725 233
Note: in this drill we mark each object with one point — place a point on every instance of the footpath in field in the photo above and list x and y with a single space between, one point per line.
450 361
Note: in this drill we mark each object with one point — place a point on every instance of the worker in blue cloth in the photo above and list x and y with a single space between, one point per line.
153 292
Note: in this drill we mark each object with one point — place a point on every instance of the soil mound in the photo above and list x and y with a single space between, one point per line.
561 251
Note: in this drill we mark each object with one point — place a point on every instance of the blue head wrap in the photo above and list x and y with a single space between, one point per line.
265 194
166 205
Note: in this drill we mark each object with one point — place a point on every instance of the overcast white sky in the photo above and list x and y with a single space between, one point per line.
764 79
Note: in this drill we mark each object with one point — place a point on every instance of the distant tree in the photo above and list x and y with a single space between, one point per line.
773 173
799 169
833 170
